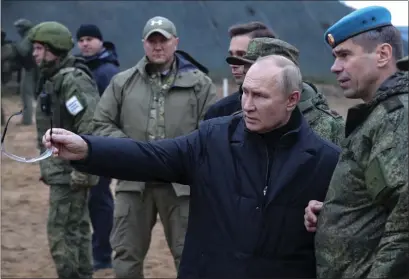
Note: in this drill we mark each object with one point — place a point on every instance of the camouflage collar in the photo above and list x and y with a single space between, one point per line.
308 93
186 78
395 85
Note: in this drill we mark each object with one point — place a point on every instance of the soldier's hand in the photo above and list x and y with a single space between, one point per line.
310 217
81 180
65 144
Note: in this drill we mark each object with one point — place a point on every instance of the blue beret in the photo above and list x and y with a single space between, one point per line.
357 22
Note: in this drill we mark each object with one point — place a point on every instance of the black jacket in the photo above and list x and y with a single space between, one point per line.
224 107
234 231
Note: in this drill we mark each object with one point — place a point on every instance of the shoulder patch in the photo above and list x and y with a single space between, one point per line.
392 104
330 112
74 106
375 179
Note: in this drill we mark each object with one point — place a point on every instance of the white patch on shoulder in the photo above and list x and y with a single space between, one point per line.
73 105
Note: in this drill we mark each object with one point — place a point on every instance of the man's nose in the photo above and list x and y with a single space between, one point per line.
247 103
336 67
157 45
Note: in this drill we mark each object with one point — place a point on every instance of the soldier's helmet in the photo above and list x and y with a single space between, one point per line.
23 24
53 34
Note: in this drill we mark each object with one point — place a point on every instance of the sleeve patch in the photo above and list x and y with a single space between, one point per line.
73 105
375 178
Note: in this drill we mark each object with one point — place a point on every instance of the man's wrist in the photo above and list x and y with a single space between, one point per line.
87 152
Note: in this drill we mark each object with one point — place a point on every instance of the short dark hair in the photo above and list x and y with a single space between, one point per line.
387 34
253 29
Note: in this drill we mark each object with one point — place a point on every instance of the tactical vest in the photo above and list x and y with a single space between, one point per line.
51 106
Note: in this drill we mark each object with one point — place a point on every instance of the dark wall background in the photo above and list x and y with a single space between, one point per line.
202 25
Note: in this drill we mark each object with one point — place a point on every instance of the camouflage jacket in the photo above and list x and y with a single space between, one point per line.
363 228
16 56
125 109
74 96
321 119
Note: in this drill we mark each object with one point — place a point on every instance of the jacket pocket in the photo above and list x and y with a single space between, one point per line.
294 241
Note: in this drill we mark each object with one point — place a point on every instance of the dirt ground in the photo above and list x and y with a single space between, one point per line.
24 205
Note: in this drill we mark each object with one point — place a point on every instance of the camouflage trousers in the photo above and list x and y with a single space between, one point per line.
69 232
135 214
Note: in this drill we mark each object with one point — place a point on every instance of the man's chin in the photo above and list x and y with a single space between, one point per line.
251 126
158 61
238 81
350 94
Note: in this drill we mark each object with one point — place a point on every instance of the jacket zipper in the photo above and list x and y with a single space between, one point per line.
151 99
267 178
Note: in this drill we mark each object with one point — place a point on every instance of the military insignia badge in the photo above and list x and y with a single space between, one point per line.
330 39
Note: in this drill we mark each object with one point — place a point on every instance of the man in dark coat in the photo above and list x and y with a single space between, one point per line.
102 60
252 174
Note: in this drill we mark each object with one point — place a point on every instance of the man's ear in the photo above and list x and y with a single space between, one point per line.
293 100
384 54
176 40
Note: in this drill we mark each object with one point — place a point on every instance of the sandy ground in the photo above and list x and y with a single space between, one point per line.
24 250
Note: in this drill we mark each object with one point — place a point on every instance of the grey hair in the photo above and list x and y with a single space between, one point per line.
291 78
388 34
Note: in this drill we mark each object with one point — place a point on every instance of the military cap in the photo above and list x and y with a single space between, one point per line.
260 47
23 23
403 64
357 22
161 25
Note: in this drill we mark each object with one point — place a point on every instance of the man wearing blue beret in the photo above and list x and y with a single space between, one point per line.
362 230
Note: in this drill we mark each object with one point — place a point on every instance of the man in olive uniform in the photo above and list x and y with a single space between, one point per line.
164 96
6 65
362 229
5 70
68 95
403 64
313 104
22 54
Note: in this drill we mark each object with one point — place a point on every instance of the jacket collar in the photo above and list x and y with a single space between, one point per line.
187 76
299 129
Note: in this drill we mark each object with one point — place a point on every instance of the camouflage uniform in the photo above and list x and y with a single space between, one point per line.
4 71
29 71
313 104
67 93
363 228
